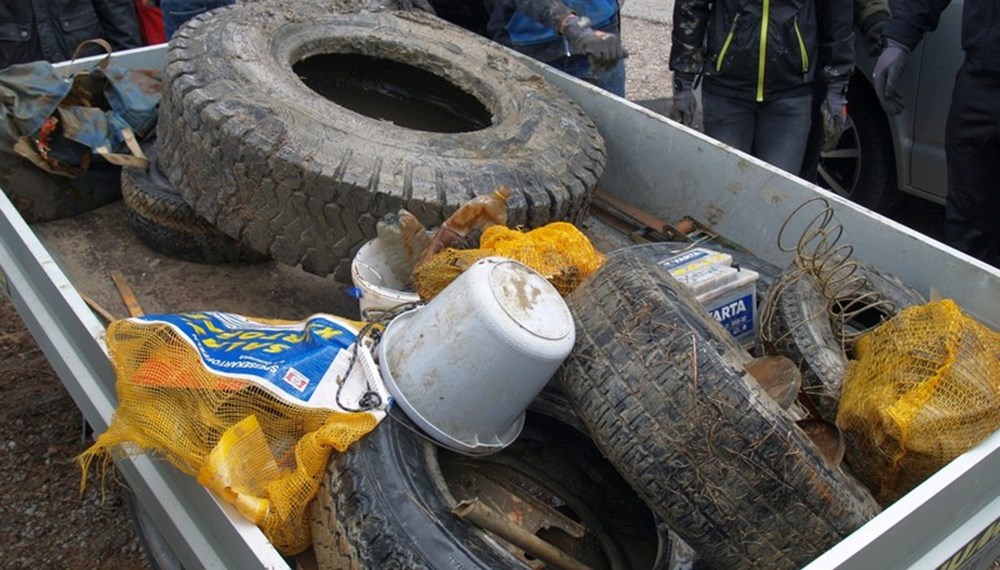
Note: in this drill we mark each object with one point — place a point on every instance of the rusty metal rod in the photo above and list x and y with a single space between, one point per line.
641 217
474 511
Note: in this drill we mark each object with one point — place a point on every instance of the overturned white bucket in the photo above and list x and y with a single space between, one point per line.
466 366
379 286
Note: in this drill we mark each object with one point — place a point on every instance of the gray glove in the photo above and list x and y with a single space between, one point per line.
603 50
888 69
684 104
834 112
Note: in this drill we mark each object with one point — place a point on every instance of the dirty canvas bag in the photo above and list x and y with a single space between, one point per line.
59 120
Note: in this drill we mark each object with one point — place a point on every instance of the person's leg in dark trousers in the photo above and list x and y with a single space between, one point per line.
782 130
729 120
814 143
972 146
773 131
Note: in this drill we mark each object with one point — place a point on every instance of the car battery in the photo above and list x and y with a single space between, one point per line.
728 293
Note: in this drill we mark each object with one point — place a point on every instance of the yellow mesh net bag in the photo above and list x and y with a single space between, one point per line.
924 389
250 407
558 251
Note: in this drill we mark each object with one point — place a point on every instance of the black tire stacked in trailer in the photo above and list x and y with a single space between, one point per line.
41 197
386 503
255 147
802 330
161 218
663 390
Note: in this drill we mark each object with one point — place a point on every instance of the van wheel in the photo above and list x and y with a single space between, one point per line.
862 167
41 197
158 215
387 501
664 393
297 130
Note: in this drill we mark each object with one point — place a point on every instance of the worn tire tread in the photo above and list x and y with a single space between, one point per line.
158 215
662 389
263 186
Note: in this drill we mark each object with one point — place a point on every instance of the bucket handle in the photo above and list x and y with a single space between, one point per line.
372 269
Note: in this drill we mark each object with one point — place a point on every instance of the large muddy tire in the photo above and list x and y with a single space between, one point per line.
386 503
800 326
158 215
663 390
273 162
40 197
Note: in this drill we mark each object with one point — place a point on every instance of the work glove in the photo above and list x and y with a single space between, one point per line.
684 104
604 50
834 113
421 5
872 29
888 69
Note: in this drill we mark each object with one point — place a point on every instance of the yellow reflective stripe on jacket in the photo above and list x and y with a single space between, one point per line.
762 56
802 47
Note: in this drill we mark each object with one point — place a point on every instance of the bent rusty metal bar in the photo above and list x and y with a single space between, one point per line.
474 511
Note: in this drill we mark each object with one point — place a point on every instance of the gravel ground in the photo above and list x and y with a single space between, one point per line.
647 77
46 521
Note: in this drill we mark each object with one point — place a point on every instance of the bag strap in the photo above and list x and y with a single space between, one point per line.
138 158
103 64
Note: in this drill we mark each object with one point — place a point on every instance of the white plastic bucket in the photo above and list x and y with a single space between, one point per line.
379 287
466 366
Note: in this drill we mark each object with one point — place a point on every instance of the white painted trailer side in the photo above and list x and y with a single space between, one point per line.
653 163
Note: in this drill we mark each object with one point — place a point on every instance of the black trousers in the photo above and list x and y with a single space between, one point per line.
972 147
814 143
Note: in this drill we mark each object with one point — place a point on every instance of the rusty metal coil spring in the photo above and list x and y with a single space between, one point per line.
818 252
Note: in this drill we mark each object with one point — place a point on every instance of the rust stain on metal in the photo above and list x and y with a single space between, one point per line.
714 214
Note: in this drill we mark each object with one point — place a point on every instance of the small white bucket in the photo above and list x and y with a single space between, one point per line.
466 366
379 287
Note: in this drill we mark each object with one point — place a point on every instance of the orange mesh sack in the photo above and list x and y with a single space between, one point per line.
433 275
558 251
924 389
252 408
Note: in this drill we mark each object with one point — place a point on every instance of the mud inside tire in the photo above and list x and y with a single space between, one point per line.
268 160
662 389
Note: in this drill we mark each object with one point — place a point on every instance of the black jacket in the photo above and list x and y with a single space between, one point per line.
980 28
801 39
32 30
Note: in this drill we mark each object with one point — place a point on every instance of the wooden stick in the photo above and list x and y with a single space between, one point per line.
101 311
131 303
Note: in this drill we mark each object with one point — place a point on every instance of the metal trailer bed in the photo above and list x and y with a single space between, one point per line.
656 165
